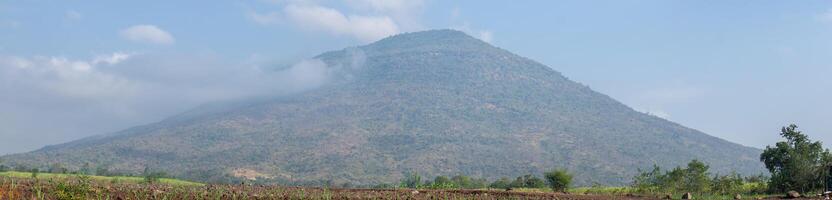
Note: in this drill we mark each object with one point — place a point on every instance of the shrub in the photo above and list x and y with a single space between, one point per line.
728 184
35 172
411 180
528 181
502 183
797 163
153 176
648 181
559 180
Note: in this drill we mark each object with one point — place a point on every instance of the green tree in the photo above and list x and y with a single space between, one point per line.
411 180
648 181
502 183
442 180
528 181
797 163
151 176
462 181
696 177
57 168
559 180
728 184
3 167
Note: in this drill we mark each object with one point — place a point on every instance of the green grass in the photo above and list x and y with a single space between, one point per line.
126 179
618 191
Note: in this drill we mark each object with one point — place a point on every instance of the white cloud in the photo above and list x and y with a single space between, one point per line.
318 18
111 59
119 90
366 20
464 26
148 34
264 18
657 113
486 36
406 13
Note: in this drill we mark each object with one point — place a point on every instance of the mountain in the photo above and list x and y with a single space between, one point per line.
434 102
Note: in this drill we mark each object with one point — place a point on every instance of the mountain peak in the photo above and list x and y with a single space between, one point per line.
434 102
442 38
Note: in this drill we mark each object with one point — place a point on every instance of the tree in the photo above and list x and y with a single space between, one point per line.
696 177
528 181
153 176
559 180
502 183
57 168
462 181
797 163
728 184
3 167
648 181
102 171
412 180
442 180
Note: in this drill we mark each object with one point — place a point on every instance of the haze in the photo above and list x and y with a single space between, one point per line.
735 70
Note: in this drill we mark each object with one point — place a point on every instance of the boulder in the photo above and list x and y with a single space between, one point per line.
738 197
793 194
687 196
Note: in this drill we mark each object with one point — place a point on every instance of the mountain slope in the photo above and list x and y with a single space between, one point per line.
434 102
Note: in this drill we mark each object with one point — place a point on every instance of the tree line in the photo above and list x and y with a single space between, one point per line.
558 180
796 164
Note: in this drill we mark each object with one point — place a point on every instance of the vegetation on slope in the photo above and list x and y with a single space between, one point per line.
434 102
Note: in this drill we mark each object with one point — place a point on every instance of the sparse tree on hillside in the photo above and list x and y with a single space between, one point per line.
559 180
797 163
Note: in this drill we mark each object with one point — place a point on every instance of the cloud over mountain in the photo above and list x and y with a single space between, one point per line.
147 34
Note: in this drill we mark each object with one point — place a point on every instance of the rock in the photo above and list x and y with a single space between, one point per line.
792 194
687 196
415 192
738 197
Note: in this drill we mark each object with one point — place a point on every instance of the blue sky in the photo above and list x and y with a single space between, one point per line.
734 69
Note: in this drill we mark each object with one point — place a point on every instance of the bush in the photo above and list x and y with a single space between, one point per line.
648 181
559 180
797 163
411 180
728 184
502 183
35 172
693 178
153 176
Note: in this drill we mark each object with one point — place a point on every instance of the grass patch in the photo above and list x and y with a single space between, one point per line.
125 179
